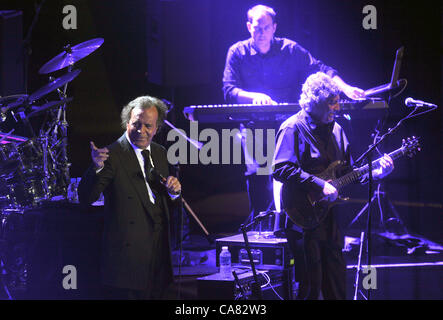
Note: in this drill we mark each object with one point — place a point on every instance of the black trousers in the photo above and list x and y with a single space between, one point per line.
159 286
319 262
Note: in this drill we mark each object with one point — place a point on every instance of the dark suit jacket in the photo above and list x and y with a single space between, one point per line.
129 226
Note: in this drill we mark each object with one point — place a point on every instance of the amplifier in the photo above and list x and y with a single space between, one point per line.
268 252
276 284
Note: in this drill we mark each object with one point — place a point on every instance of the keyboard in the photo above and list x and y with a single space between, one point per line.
235 113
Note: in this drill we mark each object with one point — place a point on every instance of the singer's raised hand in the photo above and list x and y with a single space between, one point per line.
98 155
173 185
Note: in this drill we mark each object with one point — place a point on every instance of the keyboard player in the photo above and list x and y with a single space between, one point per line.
266 70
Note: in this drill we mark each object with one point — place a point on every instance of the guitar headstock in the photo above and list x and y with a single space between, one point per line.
410 146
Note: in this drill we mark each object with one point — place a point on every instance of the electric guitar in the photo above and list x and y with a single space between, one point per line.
308 209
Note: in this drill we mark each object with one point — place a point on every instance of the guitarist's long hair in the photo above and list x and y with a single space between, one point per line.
318 88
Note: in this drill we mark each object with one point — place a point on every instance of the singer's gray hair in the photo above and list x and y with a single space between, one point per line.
144 102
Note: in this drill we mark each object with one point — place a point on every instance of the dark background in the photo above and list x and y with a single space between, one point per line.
176 50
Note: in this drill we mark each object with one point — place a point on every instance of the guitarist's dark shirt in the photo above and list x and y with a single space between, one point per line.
305 148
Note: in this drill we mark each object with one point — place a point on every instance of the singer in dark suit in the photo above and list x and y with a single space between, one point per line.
136 255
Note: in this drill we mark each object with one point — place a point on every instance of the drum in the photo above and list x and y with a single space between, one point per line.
24 194
9 159
31 159
22 159
24 182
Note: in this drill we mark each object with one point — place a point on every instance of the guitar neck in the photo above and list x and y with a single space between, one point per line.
356 174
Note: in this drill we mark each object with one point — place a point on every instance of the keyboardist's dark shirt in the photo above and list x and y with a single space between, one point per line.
279 73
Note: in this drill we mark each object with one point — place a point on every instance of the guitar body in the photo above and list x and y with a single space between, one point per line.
306 209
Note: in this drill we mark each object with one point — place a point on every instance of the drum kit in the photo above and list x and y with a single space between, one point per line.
34 167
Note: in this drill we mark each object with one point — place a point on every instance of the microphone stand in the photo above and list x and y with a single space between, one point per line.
198 145
367 155
237 283
177 173
255 286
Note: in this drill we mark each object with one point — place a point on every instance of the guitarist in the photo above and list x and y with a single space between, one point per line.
306 144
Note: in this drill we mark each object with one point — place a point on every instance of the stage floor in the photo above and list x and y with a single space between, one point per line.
407 268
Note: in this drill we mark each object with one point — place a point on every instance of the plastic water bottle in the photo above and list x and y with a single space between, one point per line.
225 263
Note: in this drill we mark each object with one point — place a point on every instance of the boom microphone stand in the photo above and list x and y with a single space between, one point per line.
367 155
255 286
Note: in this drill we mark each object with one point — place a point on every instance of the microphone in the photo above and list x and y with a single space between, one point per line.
263 215
410 102
157 176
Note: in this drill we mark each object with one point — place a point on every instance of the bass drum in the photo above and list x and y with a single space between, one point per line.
23 183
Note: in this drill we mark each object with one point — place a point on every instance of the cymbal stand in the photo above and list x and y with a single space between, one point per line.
60 125
45 151
357 274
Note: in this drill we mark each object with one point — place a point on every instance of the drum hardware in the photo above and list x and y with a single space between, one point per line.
10 102
37 110
35 169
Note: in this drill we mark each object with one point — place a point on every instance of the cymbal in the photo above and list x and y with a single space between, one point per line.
53 85
52 104
71 55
